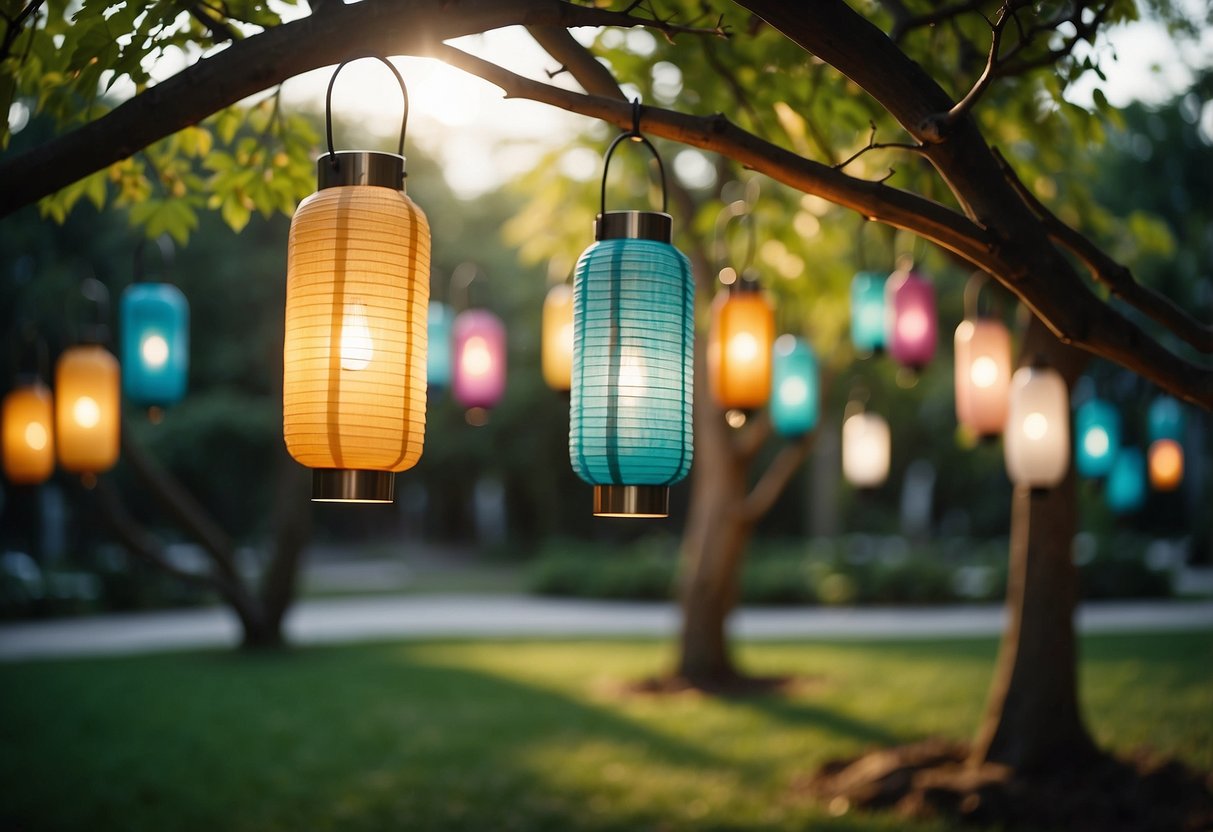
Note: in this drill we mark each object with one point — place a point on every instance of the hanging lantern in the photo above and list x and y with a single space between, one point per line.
866 449
438 348
87 409
1125 489
1037 437
795 387
867 312
1097 437
1165 419
358 268
556 349
155 344
478 346
630 432
983 375
739 347
26 424
910 318
1166 464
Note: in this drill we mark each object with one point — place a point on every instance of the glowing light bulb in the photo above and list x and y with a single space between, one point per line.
86 412
35 436
357 349
154 351
476 359
743 348
912 325
793 391
1035 425
984 371
1096 442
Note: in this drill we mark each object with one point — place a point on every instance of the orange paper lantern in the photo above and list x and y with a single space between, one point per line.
87 409
739 347
27 417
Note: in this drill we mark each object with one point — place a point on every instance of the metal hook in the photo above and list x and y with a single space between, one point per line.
328 104
636 105
167 251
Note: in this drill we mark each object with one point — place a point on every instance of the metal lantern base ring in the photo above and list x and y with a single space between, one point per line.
346 485
631 501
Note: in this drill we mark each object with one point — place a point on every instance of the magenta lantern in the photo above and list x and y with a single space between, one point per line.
478 375
910 326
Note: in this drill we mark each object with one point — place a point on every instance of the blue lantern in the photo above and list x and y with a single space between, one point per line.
1165 419
1097 437
795 391
630 432
155 326
867 311
1125 490
438 352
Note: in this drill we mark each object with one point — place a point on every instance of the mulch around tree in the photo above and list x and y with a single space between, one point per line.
1144 793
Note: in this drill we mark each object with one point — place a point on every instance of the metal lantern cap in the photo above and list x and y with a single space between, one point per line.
360 167
352 485
631 501
634 225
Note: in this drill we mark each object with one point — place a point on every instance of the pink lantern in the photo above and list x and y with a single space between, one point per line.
983 375
910 323
478 377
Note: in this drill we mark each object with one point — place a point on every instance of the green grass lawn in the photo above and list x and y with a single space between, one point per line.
518 735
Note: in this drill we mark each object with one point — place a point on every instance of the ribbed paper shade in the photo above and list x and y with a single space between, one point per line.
438 350
867 311
26 423
910 318
358 268
1097 437
479 355
982 375
155 344
630 416
866 449
1037 439
1125 490
557 337
795 392
87 414
739 350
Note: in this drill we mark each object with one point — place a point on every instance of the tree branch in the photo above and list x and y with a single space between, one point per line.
1107 272
875 145
752 437
775 479
938 128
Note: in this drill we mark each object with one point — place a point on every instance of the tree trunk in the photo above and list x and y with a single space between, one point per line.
1032 721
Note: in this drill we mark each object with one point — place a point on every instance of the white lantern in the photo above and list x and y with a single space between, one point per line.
866 449
1037 437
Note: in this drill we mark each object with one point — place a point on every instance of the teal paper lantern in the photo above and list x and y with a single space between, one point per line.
1097 437
1125 490
1165 419
155 343
630 433
867 312
438 351
795 387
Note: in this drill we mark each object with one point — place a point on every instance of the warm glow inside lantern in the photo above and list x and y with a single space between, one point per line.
438 346
910 320
630 432
357 296
867 312
1166 464
982 375
795 392
87 409
154 346
1037 437
739 347
1125 489
866 449
1096 437
556 348
479 356
27 428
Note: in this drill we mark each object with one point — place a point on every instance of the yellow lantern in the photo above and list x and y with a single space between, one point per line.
354 377
739 347
557 343
87 409
27 417
1166 464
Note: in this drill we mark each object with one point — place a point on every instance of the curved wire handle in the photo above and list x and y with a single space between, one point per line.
28 342
972 295
743 212
459 289
167 251
328 104
634 135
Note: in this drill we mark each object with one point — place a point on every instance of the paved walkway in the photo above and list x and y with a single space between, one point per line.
469 616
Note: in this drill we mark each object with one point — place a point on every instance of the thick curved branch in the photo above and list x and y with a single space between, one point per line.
775 479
